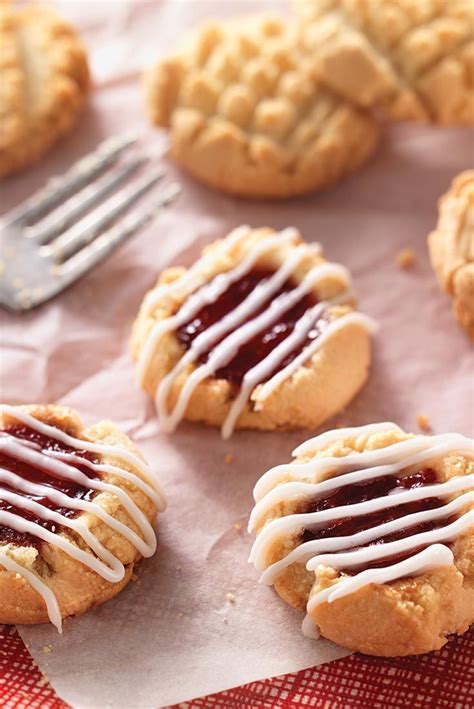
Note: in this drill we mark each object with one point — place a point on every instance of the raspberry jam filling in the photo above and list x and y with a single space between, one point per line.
36 474
262 344
380 487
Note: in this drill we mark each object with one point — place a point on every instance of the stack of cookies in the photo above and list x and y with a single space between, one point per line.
271 107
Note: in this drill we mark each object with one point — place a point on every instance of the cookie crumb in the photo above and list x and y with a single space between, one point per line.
228 458
423 422
406 258
230 597
180 615
47 648
238 526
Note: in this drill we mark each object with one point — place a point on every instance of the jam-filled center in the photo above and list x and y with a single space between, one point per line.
370 490
41 475
265 340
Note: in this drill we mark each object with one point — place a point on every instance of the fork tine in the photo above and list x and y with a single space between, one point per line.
84 232
59 188
94 253
79 205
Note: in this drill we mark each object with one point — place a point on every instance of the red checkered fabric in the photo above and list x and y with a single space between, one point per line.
22 686
441 679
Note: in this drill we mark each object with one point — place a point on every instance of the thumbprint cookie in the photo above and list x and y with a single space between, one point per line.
248 116
370 530
44 81
260 333
451 248
76 513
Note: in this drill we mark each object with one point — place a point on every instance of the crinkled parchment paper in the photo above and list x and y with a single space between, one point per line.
196 621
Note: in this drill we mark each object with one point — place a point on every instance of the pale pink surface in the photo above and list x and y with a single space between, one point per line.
173 634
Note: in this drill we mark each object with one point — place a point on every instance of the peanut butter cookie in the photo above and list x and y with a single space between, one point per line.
414 58
44 81
451 248
247 116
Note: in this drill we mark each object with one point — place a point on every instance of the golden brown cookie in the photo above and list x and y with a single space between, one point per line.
247 116
259 333
370 530
451 248
76 508
414 58
44 81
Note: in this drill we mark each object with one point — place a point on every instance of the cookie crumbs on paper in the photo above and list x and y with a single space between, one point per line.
228 458
406 259
230 597
423 422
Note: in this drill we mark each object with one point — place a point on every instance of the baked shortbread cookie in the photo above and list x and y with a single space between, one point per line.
451 248
247 116
371 531
414 58
43 83
76 508
259 333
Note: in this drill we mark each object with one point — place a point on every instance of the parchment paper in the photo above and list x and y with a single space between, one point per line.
175 633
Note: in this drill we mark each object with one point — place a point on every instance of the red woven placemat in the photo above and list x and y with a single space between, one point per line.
442 679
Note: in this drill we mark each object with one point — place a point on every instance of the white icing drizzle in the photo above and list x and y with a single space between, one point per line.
278 486
373 553
224 352
102 449
191 279
208 293
431 558
223 339
290 524
319 468
308 550
214 333
415 451
262 370
55 463
39 586
323 440
333 327
119 472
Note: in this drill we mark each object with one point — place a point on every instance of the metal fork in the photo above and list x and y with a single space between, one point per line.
57 236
